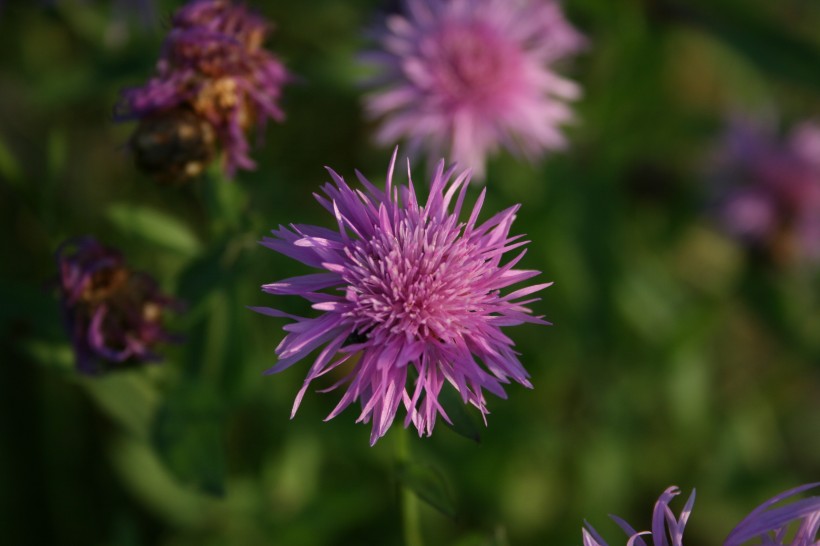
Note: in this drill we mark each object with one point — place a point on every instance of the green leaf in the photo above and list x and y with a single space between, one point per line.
429 484
128 398
464 421
154 227
772 48
9 166
188 436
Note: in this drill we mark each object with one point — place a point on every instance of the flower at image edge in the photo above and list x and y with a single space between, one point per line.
463 78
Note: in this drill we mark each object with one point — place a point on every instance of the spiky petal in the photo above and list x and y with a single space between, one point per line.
413 290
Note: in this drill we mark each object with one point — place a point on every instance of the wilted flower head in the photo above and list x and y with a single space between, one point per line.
765 524
113 315
214 65
773 202
411 289
465 77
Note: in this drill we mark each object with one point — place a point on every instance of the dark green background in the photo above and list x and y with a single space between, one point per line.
674 358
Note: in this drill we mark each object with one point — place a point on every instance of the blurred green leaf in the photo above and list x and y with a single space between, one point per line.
128 398
188 435
150 481
464 421
767 44
9 167
153 226
429 484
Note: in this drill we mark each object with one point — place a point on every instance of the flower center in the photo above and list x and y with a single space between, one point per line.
469 62
416 282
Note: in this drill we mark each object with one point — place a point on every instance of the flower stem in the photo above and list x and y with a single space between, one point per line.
411 523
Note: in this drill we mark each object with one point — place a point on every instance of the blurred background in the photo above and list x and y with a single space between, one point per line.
676 355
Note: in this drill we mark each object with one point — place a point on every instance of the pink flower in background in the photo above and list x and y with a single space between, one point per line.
214 65
412 290
795 524
773 195
114 315
461 78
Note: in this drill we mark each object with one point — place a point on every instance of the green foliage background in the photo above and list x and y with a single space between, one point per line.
674 358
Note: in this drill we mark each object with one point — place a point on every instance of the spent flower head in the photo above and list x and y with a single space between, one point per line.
213 64
772 201
114 315
412 290
461 78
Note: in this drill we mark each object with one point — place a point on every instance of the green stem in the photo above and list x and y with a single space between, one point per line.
411 522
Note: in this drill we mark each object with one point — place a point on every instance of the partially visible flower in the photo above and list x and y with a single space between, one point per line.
413 290
213 64
114 315
767 525
773 198
771 525
461 78
667 530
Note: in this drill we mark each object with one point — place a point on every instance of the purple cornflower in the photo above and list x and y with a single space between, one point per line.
213 64
414 291
666 529
113 315
773 202
769 526
461 78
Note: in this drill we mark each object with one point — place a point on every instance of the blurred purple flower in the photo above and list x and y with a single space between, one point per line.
213 63
773 202
462 78
113 314
414 291
765 524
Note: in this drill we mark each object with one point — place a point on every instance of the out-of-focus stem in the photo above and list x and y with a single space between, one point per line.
411 523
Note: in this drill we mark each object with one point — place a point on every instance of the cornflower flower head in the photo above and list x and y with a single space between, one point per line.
461 78
770 525
773 199
213 64
767 525
667 530
412 290
114 315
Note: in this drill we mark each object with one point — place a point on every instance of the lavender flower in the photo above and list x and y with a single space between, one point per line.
113 315
770 526
773 202
666 529
464 77
213 64
414 291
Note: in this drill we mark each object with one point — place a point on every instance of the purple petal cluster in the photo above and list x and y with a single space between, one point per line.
113 315
461 78
213 62
667 530
767 525
774 199
770 525
410 297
